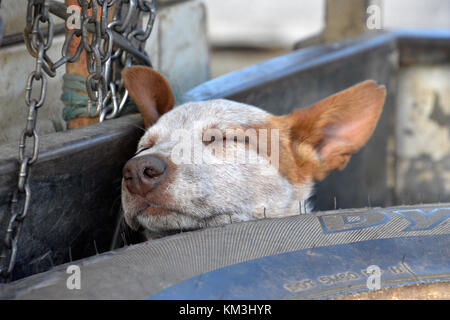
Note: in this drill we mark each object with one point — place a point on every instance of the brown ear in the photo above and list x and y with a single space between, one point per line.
337 126
150 91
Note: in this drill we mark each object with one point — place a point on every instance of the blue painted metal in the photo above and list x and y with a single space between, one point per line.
322 272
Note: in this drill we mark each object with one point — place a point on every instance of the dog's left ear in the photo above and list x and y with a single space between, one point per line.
337 126
150 91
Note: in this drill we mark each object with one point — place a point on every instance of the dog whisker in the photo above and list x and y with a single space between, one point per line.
124 239
140 128
95 247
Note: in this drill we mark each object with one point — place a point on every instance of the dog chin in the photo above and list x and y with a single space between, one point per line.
155 211
170 223
162 222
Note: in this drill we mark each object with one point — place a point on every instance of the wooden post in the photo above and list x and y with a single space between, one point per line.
79 68
343 19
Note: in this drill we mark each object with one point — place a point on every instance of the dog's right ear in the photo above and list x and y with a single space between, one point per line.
150 91
336 127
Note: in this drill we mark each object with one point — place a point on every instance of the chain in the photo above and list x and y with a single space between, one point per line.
103 85
126 19
37 43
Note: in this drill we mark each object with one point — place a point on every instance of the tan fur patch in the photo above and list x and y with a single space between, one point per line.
150 91
334 128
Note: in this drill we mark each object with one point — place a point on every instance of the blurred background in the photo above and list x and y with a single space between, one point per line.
197 40
242 33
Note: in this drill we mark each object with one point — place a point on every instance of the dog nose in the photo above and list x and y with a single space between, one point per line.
142 174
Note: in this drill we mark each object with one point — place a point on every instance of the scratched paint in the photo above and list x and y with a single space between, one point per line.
423 134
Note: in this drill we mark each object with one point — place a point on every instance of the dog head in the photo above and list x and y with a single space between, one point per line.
210 163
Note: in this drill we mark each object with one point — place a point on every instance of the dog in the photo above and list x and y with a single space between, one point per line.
185 176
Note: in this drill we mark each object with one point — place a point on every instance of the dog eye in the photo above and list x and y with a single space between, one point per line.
142 149
245 140
212 139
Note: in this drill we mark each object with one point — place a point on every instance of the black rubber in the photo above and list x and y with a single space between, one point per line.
317 255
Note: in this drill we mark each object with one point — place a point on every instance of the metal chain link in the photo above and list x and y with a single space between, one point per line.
37 42
126 21
104 85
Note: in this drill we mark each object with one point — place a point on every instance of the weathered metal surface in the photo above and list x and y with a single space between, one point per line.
421 291
75 189
422 134
431 47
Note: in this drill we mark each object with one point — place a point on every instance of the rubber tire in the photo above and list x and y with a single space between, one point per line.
318 255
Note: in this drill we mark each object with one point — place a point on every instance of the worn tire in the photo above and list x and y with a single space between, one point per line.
318 255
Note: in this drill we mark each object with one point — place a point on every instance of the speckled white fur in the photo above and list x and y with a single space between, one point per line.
204 194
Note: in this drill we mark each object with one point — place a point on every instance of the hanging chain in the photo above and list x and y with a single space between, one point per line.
126 19
103 85
38 42
103 60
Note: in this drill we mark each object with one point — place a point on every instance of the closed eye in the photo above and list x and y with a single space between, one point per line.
208 142
236 139
142 149
246 140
